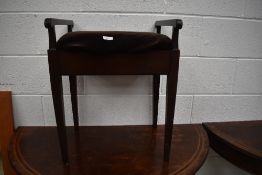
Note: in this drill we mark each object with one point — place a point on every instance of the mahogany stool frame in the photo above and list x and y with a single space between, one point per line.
156 63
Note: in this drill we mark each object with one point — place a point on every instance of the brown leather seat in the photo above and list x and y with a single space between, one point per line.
110 42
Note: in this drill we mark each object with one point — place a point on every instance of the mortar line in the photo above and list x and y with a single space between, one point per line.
182 56
148 95
132 13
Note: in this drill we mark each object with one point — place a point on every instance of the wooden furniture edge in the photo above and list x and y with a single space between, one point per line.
203 142
233 154
6 129
232 141
22 166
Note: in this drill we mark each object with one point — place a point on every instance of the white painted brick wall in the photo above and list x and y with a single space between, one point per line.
248 76
226 108
231 38
203 7
204 76
253 9
220 69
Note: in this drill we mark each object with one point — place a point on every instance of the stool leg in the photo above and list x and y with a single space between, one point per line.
171 89
57 93
73 90
156 82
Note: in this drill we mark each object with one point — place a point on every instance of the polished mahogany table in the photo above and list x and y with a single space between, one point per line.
109 150
238 142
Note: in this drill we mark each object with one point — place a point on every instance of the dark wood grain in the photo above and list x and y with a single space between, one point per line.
171 88
50 24
156 83
176 26
58 102
238 142
109 150
73 91
82 63
6 129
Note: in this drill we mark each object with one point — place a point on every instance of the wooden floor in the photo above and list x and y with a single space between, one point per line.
109 150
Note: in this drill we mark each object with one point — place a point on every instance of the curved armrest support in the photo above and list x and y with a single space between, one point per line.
50 24
176 24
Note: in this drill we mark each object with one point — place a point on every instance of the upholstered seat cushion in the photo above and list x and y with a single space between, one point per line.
107 41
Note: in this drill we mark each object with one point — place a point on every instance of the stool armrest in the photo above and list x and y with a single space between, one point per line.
176 24
50 24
